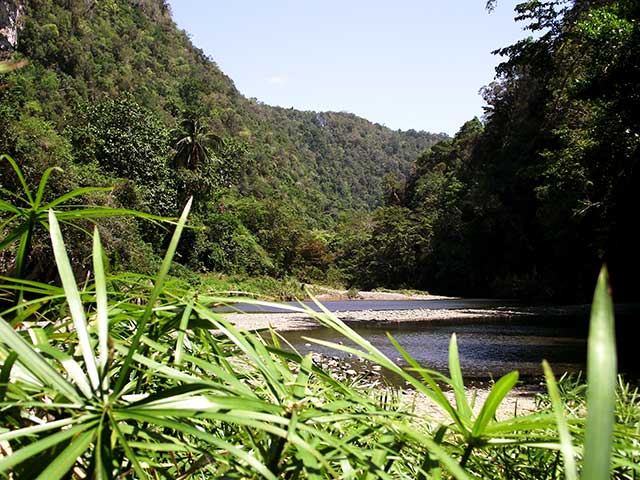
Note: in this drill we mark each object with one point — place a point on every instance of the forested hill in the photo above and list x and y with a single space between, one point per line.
83 54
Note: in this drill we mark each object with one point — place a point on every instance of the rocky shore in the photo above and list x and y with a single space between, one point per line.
304 321
520 401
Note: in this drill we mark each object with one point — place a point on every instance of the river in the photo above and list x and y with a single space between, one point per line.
488 347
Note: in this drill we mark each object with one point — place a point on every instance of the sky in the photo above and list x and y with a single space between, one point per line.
405 64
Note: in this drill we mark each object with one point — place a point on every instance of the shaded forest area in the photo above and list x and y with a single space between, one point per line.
527 202
532 200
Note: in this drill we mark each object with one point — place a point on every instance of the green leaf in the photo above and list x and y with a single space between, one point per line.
601 386
18 172
299 389
7 207
44 427
35 448
75 193
159 283
184 322
102 309
464 410
5 373
133 458
432 390
213 440
73 369
35 363
566 446
43 184
494 399
59 467
74 301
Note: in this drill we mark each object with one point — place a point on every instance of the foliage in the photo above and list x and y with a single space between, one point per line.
25 214
127 141
533 199
132 382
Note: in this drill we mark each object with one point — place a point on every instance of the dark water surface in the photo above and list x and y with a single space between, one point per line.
490 347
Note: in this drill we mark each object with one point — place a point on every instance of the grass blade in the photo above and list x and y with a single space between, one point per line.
601 384
74 301
159 282
73 194
566 447
59 467
495 397
464 410
73 369
43 184
102 309
18 172
184 323
35 363
33 449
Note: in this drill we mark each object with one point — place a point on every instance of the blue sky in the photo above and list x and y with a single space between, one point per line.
405 63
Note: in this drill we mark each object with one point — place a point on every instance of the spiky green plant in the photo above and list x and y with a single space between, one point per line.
138 379
23 213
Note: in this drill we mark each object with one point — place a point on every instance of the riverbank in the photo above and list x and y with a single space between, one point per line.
305 321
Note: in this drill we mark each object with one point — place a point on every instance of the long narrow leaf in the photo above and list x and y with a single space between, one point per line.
184 322
73 194
214 440
159 282
35 363
102 309
601 387
464 410
18 172
59 467
45 427
33 449
8 207
128 450
566 447
495 397
43 184
74 301
73 369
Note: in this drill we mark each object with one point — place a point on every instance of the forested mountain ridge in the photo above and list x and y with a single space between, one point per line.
115 94
87 51
535 198
529 201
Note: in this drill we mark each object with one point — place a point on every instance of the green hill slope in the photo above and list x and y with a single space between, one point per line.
85 51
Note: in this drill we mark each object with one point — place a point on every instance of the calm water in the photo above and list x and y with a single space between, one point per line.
487 347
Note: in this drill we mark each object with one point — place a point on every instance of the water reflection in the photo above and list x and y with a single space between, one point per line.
487 348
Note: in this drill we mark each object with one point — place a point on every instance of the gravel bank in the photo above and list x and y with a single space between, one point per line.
302 321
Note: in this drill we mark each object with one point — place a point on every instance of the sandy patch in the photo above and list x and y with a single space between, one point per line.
303 321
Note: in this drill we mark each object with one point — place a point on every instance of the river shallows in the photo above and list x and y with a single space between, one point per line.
487 348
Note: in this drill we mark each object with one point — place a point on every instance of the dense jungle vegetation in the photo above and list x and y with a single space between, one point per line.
530 200
534 198
116 95
112 368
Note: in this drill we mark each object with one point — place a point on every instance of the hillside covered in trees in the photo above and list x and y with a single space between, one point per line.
115 93
527 201
532 200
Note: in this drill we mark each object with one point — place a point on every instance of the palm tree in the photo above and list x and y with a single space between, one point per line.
193 145
193 161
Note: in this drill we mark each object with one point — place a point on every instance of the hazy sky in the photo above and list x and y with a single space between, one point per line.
404 63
